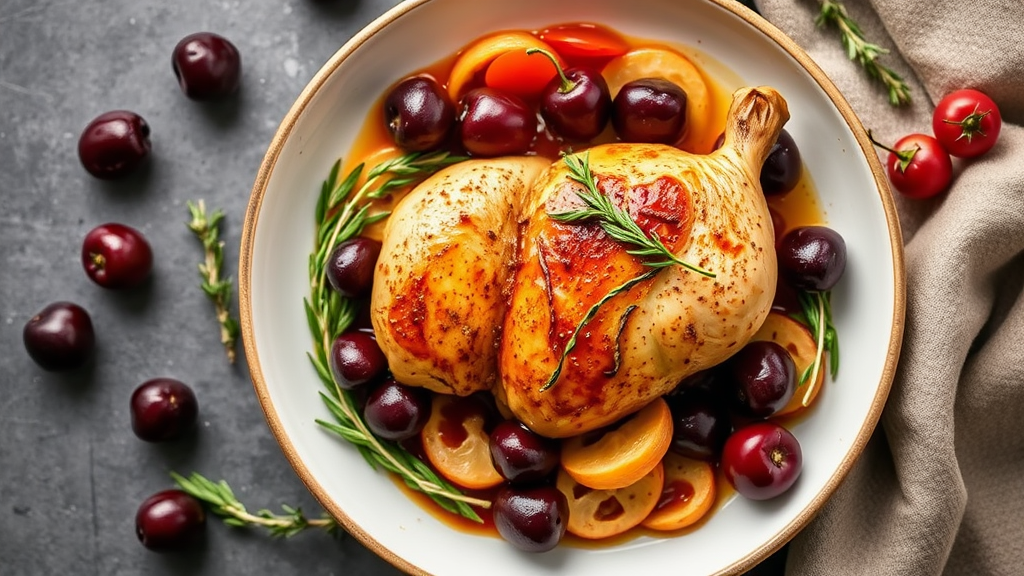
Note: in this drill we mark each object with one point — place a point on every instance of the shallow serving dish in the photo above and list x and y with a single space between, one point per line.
731 43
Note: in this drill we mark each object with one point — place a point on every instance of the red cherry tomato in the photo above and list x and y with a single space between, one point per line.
585 44
967 123
519 73
918 166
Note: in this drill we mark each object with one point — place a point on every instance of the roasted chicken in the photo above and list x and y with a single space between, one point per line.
478 287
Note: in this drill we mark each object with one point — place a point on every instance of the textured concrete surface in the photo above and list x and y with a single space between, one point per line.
72 474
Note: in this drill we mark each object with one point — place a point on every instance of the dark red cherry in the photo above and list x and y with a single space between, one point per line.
116 256
520 454
60 337
492 123
419 114
781 170
531 519
812 257
762 460
350 266
576 104
649 110
700 423
168 521
356 359
114 144
763 375
207 65
163 409
396 412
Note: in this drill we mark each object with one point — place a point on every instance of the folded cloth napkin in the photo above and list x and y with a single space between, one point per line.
940 486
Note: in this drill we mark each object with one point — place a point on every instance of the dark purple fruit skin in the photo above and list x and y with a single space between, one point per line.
350 266
396 412
521 455
60 337
163 409
207 65
419 114
782 168
764 378
812 257
114 144
169 521
492 123
116 256
650 110
356 359
531 519
580 112
701 424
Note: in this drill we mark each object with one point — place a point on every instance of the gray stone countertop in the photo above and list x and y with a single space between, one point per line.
72 473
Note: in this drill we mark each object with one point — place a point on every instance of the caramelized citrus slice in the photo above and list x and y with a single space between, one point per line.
799 342
617 457
595 514
456 444
664 63
482 52
686 495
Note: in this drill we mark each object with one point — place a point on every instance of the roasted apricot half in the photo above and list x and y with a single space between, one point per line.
652 62
687 494
457 444
595 514
481 53
621 455
799 342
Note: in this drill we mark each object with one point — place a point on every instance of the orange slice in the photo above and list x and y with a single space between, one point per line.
686 496
799 342
617 457
658 62
595 514
456 444
478 55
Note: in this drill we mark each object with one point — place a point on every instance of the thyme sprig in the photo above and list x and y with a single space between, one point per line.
221 500
619 226
206 228
863 52
342 211
616 222
817 315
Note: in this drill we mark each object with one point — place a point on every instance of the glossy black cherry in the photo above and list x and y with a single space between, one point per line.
114 144
356 359
116 256
812 257
207 65
350 266
576 104
492 123
60 337
170 520
521 455
419 114
531 519
163 409
396 412
649 110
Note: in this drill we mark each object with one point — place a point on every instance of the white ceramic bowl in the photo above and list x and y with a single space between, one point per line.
278 236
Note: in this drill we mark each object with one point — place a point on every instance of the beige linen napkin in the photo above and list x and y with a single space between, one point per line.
940 487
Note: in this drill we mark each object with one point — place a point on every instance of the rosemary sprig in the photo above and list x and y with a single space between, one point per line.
342 212
817 315
619 226
221 501
863 52
616 222
206 228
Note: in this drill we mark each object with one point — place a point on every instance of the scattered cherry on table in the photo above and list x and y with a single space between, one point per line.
207 65
170 520
116 256
114 144
163 409
60 337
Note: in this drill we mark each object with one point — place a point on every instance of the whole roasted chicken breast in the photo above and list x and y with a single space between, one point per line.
478 286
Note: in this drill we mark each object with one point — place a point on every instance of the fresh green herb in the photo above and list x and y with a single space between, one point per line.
817 315
863 52
207 229
619 226
222 501
615 221
342 212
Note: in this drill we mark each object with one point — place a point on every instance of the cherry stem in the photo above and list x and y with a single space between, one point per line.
905 156
567 84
